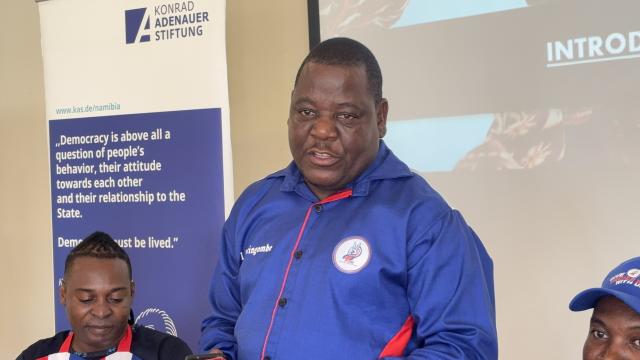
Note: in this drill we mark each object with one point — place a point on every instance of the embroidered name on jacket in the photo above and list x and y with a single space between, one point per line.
255 250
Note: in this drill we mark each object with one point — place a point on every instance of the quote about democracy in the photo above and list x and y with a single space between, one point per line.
110 169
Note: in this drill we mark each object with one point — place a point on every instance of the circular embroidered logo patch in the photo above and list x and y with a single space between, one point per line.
634 273
352 254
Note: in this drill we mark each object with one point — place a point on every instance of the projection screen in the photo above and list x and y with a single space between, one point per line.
522 114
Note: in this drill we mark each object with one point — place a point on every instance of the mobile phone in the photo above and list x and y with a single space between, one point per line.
216 356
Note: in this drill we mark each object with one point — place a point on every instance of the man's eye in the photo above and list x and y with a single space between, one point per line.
85 301
116 300
306 112
636 343
347 117
599 334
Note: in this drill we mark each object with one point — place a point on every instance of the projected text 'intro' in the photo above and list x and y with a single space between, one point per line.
590 49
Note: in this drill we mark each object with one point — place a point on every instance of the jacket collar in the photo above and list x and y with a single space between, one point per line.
385 166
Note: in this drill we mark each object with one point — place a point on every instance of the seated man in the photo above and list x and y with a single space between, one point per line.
97 291
614 332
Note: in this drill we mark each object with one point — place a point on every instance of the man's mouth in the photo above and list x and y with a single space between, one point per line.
99 329
322 158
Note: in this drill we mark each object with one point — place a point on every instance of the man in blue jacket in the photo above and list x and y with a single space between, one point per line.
346 254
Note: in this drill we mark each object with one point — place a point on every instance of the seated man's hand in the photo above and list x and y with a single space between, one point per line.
219 354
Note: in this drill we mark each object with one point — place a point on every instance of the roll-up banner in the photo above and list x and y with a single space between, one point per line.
138 118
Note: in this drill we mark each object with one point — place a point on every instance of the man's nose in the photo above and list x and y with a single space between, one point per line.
324 127
615 351
101 309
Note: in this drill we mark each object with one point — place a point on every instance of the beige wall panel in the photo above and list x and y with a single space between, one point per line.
266 41
25 259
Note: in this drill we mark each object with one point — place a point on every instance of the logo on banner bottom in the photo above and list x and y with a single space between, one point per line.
157 319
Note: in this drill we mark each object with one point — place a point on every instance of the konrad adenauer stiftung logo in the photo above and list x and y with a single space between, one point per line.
157 319
175 20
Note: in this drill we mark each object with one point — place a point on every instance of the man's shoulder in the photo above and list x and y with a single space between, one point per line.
147 336
273 179
413 198
44 347
152 344
257 190
416 187
397 177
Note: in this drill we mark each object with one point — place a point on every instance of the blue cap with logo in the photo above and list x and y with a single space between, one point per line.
623 282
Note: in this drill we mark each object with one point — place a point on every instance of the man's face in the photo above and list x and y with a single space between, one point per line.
614 332
334 125
97 295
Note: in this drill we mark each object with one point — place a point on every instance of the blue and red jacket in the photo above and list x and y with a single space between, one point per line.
384 269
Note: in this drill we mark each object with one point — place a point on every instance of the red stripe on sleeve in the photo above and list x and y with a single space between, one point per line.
398 343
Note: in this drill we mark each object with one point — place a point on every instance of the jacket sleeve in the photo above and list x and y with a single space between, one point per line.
224 296
450 291
173 348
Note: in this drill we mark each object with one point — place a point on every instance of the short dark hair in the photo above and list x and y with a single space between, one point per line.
347 52
97 245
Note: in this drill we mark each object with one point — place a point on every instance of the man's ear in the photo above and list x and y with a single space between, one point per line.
133 288
381 117
290 105
63 293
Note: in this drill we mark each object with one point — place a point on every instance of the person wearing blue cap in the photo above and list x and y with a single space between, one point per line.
614 332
